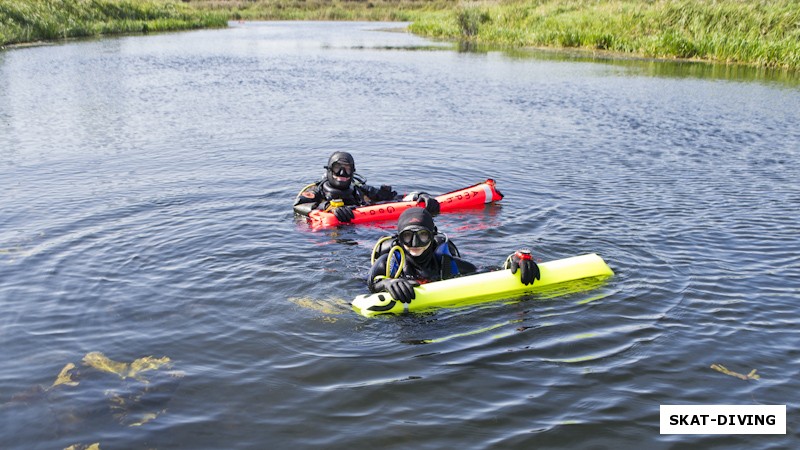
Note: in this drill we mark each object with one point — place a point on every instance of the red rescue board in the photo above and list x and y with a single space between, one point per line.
470 197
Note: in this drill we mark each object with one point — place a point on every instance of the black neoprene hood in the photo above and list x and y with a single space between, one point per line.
343 158
416 218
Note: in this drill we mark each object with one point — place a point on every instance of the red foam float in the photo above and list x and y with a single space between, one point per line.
470 197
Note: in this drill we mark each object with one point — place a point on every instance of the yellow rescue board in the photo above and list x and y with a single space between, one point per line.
478 288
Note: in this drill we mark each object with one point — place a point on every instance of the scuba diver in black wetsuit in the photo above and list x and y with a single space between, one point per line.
419 253
342 190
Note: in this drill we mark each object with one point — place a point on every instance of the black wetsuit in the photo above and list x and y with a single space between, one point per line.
318 195
440 261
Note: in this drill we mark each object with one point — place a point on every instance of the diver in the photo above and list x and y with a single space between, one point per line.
418 253
342 189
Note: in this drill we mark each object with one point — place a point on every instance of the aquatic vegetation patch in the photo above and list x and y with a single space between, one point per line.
95 446
722 369
133 370
132 394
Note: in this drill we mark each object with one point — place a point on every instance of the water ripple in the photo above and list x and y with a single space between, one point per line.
147 211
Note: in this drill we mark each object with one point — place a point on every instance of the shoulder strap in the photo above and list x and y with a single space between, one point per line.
445 252
382 247
309 186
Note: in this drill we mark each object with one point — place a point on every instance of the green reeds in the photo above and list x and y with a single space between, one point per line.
369 10
761 33
758 33
34 20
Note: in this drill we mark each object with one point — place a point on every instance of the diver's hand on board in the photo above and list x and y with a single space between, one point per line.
521 260
401 289
344 214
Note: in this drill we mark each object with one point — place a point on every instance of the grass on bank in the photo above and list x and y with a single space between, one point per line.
757 33
761 33
35 20
353 10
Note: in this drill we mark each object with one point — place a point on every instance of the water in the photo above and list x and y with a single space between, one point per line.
147 184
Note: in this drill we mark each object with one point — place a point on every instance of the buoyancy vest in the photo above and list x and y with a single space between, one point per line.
440 264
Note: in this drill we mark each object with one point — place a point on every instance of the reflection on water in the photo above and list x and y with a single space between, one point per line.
639 66
147 187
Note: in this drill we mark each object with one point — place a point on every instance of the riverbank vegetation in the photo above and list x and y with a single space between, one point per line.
366 10
758 33
36 20
761 33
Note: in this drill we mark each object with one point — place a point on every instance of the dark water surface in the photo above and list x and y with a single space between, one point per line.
146 188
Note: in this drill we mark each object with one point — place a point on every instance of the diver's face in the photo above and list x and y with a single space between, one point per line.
340 174
416 251
415 242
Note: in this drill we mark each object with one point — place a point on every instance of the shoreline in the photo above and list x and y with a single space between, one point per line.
766 35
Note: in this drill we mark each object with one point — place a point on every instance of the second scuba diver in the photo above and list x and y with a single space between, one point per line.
342 189
427 255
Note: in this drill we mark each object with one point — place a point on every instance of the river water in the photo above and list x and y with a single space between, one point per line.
147 185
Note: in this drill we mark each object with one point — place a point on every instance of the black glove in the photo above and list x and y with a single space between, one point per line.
431 204
523 261
344 213
401 289
386 193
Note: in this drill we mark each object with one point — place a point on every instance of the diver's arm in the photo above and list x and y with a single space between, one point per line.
401 289
308 200
520 260
382 194
465 267
376 275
